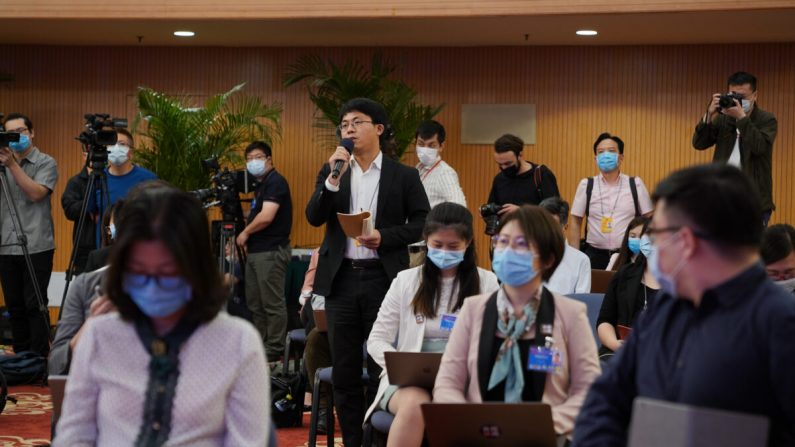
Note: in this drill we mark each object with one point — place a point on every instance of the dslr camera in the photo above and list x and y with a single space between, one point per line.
727 101
489 213
7 137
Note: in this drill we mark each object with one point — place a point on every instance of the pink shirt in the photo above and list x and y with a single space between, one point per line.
611 201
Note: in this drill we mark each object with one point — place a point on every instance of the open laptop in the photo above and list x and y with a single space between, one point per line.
57 386
657 423
412 368
489 424
320 320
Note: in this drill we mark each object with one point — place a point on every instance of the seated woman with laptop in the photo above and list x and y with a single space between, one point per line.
420 309
522 343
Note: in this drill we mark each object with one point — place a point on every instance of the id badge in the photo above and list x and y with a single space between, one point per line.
447 323
544 359
607 225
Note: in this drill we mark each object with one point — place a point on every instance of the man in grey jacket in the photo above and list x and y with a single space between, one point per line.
81 303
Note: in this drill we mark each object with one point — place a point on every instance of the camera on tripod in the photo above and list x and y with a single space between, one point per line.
226 190
99 134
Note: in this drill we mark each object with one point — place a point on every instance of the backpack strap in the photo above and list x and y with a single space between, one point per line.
634 189
537 172
588 192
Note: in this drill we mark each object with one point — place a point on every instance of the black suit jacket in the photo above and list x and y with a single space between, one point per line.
400 216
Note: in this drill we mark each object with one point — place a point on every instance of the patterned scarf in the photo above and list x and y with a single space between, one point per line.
508 365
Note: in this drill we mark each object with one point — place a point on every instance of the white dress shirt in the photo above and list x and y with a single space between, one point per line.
573 274
441 183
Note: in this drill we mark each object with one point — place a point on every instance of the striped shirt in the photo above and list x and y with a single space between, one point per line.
441 183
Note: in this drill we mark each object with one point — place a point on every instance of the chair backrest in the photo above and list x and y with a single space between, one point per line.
600 279
593 301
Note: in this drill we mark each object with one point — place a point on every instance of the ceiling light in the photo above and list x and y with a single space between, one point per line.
586 32
187 33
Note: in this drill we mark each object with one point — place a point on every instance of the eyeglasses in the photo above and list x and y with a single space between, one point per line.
355 124
165 282
652 232
257 157
19 130
518 244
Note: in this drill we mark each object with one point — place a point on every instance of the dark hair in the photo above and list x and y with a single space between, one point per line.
378 115
718 200
624 255
447 215
16 116
778 242
156 211
127 134
607 136
507 143
259 145
540 229
742 78
113 211
558 207
427 129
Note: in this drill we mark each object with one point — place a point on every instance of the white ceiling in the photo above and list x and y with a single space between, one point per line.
614 29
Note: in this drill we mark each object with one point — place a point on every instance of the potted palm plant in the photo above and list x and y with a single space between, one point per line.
331 85
178 137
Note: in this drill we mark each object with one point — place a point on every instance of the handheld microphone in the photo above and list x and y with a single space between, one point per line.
347 143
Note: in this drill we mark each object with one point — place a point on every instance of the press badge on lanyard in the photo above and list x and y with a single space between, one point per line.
544 358
447 323
607 224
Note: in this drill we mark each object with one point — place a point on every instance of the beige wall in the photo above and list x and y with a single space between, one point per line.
651 96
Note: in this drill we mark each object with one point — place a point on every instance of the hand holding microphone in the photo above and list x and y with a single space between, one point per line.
341 157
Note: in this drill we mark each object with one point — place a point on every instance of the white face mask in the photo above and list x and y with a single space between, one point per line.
427 155
118 154
787 284
256 167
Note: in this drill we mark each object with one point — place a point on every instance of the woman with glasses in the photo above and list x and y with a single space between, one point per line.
168 367
630 289
522 343
421 308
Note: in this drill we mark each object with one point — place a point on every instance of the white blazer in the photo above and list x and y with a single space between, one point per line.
396 324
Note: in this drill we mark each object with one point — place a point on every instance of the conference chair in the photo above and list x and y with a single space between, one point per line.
600 279
377 429
294 344
593 303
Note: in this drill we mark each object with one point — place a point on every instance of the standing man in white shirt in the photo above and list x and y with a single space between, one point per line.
573 274
439 179
607 202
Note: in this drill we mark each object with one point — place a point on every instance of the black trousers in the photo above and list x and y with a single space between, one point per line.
599 257
351 309
29 326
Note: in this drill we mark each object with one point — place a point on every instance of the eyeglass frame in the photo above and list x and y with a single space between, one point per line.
343 126
19 130
157 278
495 240
650 232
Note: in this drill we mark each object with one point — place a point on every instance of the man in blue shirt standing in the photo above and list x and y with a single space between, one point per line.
122 173
720 333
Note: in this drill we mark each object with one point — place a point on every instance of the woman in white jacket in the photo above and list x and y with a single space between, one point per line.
420 309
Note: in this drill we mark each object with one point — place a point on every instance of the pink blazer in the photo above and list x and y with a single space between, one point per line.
458 379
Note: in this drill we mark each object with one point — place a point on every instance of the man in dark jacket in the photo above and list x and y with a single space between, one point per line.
72 202
743 136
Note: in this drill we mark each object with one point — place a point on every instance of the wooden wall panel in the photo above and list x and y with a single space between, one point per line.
651 96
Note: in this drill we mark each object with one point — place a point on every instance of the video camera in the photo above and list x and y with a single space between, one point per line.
490 214
226 190
99 134
7 137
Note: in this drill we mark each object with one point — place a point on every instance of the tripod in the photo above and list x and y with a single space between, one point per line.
97 183
22 241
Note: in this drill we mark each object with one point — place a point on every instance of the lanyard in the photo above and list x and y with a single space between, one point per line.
430 170
618 195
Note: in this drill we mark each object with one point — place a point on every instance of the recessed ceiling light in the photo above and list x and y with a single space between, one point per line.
184 33
586 32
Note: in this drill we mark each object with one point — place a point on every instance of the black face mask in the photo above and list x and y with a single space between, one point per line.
510 171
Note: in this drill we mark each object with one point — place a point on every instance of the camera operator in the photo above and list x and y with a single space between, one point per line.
743 135
72 203
122 173
519 182
266 241
30 177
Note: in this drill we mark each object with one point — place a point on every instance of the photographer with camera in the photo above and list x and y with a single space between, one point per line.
30 176
266 242
519 182
743 135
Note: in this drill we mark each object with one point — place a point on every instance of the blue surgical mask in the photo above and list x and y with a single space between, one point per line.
445 259
256 167
607 161
645 246
633 244
112 229
20 146
159 296
118 154
746 105
512 268
667 281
